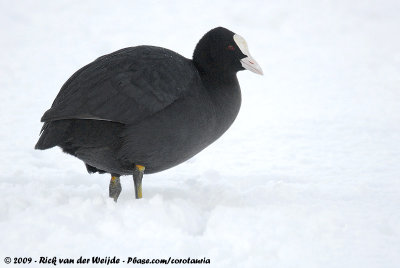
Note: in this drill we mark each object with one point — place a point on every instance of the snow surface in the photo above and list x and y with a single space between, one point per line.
308 175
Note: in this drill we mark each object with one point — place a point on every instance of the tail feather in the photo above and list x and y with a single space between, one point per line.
52 134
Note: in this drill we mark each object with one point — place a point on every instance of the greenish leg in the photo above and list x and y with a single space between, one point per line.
115 188
137 179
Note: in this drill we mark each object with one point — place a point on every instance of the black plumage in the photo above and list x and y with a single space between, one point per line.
147 106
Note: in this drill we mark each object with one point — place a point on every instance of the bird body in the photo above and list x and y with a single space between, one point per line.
146 106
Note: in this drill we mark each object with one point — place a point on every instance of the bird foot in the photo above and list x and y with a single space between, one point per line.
115 188
137 179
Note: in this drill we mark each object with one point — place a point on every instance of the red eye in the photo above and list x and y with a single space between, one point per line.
232 48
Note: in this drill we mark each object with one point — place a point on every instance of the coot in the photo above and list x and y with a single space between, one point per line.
145 109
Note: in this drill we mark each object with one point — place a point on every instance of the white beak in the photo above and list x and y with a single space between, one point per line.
250 64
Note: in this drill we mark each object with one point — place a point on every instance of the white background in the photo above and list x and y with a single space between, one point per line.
308 175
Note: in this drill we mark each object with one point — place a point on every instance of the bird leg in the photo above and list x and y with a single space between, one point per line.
115 187
137 179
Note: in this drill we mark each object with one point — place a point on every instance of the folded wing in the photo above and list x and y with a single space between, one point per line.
124 86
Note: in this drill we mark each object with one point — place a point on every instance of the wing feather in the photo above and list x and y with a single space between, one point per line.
124 86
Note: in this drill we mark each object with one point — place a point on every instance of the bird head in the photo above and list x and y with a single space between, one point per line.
222 51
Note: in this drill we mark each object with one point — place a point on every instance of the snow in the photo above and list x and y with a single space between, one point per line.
308 175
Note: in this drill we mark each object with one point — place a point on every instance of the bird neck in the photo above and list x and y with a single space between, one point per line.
225 94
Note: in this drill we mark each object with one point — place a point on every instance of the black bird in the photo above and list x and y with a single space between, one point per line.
145 109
